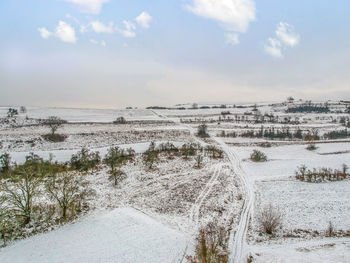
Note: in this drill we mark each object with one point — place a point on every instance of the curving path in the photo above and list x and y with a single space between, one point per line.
237 242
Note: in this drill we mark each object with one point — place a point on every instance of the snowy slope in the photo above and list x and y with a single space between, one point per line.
122 235
84 115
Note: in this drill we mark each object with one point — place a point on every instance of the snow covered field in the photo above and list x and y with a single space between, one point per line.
121 235
85 115
154 215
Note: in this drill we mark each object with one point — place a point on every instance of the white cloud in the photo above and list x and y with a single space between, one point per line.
273 47
286 37
128 32
232 39
286 33
89 6
83 29
44 32
99 27
144 20
95 42
65 32
76 20
233 15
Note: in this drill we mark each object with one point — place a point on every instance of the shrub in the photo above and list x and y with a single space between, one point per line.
330 231
20 194
120 120
311 147
84 160
265 145
258 156
211 246
214 152
54 137
189 149
5 163
337 134
269 219
321 174
167 147
199 160
117 177
116 157
69 191
151 156
38 166
202 131
23 109
12 112
8 224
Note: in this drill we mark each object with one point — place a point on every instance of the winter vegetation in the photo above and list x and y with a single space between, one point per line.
321 174
218 177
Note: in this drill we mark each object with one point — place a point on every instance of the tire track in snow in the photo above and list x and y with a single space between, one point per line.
237 241
194 214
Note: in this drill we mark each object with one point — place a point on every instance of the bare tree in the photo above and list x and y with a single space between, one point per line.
54 123
199 160
22 109
68 190
7 223
21 193
117 176
270 219
330 231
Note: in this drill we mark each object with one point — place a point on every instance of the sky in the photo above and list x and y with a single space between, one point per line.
119 53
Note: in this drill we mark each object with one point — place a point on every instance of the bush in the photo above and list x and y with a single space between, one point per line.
211 245
265 145
38 166
189 149
151 155
330 231
69 191
116 157
270 219
167 147
54 137
199 160
337 134
84 160
20 194
202 131
8 225
5 163
120 120
12 112
321 174
214 152
258 156
311 147
117 177
23 109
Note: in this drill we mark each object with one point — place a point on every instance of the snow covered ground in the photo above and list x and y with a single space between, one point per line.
328 250
283 161
85 115
176 199
121 235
